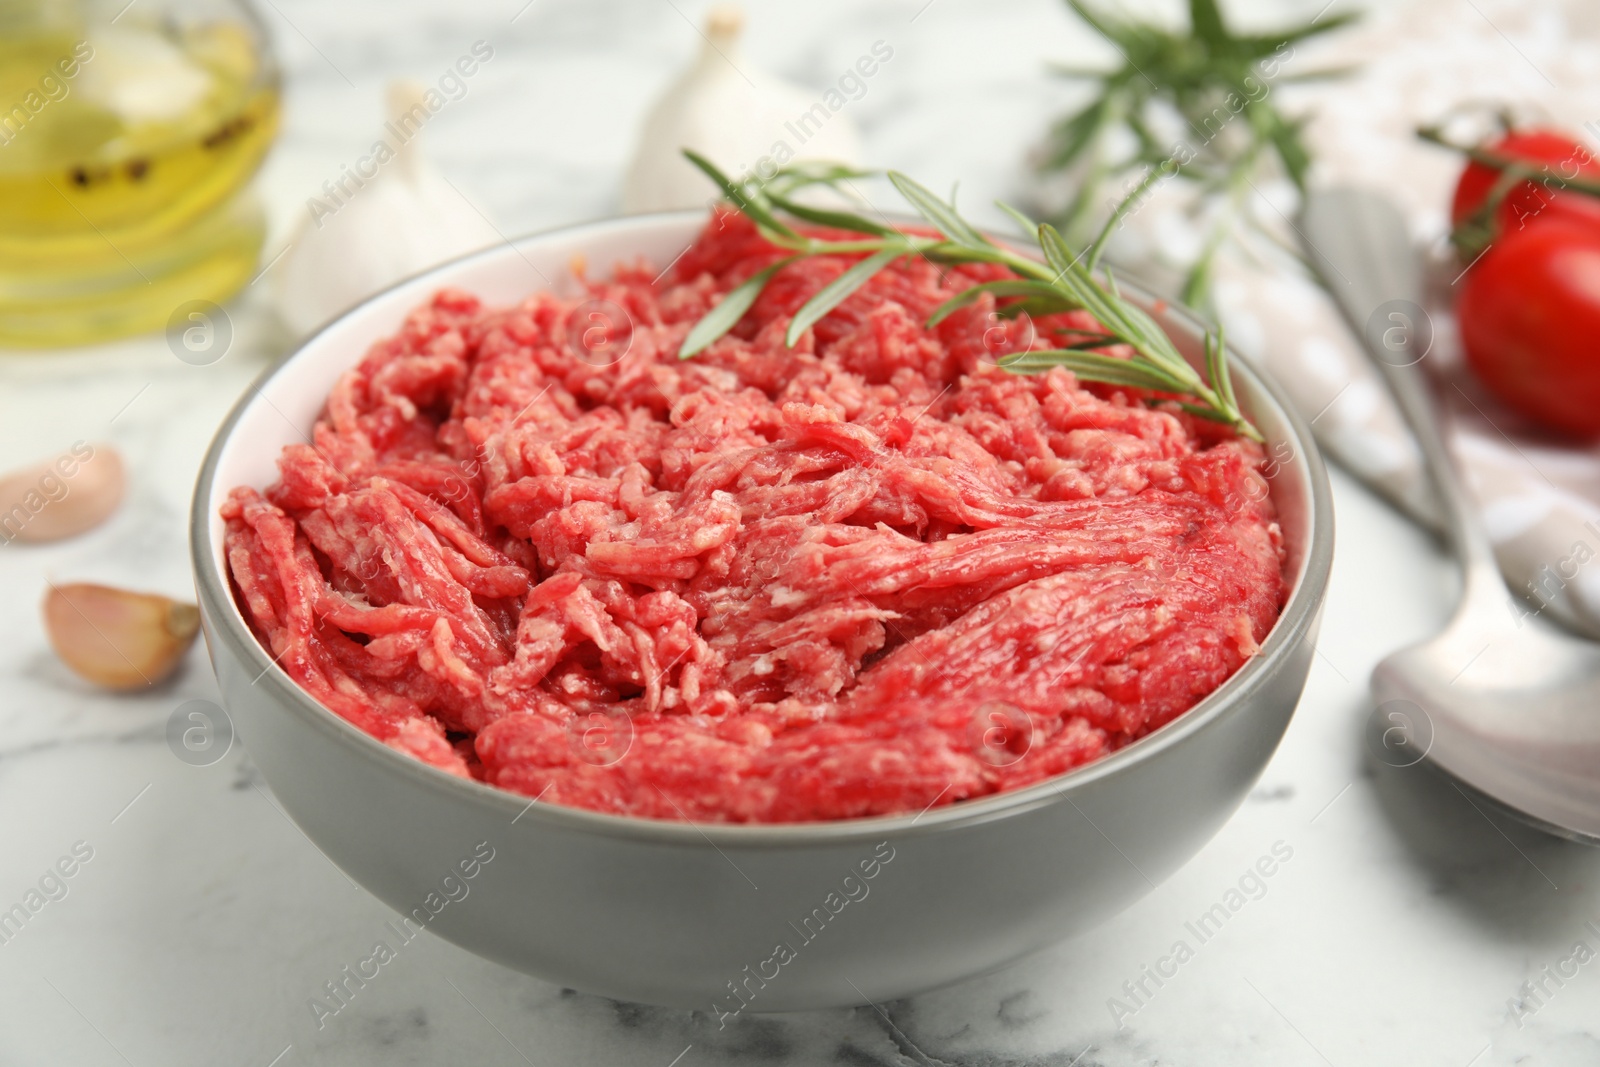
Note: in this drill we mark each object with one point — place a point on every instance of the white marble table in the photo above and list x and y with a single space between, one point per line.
1400 931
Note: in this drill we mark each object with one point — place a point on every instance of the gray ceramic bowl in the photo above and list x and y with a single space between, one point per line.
719 917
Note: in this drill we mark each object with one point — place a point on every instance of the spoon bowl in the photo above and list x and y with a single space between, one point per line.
1509 706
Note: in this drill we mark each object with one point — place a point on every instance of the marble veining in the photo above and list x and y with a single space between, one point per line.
1410 927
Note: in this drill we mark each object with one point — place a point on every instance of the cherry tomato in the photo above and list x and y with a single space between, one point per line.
1565 158
1530 322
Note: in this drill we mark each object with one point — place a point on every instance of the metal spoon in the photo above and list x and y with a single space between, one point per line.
1501 700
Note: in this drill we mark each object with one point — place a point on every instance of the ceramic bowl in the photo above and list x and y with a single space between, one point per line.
727 918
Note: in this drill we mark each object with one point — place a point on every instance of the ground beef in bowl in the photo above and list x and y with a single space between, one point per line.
867 575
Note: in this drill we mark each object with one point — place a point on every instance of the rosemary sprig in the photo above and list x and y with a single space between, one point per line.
1194 104
1060 280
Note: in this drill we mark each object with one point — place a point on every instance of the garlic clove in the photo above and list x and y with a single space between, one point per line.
735 115
117 638
64 497
384 216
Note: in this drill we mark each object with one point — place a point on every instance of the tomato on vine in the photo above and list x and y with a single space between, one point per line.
1526 216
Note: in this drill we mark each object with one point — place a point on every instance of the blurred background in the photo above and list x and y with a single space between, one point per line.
206 182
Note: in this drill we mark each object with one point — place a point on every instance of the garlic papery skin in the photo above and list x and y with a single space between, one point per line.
385 217
116 638
62 497
733 114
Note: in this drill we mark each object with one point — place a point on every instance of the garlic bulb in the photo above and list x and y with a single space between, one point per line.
383 218
739 118
116 638
75 492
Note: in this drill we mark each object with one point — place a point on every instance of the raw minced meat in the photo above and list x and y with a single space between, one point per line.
870 574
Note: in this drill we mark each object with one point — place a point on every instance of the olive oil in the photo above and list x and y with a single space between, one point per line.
123 152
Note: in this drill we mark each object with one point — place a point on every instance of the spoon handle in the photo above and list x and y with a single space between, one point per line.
1359 243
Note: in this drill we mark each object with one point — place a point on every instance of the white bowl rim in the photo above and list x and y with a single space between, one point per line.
1298 615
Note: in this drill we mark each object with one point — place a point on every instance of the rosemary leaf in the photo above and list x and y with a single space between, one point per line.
1090 366
1072 135
837 291
1004 287
1028 225
1129 202
1215 369
1117 34
736 195
1262 44
1222 377
1037 306
1150 340
1057 253
729 310
939 214
838 220
1206 20
813 172
1090 342
1285 138
1200 411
